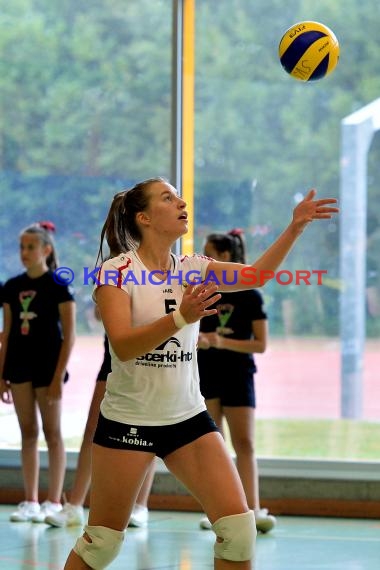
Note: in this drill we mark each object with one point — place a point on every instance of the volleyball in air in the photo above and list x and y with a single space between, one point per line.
309 51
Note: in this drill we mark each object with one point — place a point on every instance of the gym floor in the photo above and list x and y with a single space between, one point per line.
173 541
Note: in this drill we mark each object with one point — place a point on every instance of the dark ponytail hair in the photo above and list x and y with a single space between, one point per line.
120 230
233 242
44 231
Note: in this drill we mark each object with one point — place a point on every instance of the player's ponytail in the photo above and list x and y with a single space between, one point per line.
121 230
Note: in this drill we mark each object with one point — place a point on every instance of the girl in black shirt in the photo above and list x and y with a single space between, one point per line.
39 330
226 365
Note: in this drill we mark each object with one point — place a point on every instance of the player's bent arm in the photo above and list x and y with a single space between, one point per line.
256 344
129 342
248 346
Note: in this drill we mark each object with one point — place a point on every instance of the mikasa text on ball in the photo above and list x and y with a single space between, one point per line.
309 51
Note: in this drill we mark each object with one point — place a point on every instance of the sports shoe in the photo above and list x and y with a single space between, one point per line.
264 521
139 516
47 508
205 523
25 511
70 515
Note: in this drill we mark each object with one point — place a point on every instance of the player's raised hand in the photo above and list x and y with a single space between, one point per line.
310 209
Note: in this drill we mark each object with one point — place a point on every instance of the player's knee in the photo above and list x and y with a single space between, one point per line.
237 535
101 547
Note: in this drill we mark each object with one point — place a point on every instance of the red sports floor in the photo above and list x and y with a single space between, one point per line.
297 378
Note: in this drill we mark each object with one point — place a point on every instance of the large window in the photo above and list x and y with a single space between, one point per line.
86 99
85 95
262 140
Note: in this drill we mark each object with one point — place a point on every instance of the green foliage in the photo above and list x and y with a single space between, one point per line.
257 124
85 94
306 438
318 439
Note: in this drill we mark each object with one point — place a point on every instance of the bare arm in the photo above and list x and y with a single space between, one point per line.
5 391
67 318
256 344
127 341
237 277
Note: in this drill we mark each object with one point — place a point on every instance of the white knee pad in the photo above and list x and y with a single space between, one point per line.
105 545
239 536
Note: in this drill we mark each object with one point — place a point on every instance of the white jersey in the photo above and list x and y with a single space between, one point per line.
160 387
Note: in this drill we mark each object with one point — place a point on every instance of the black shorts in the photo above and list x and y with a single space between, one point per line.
160 440
40 375
38 380
232 388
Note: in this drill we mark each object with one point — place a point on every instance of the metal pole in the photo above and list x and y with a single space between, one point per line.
357 133
176 102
